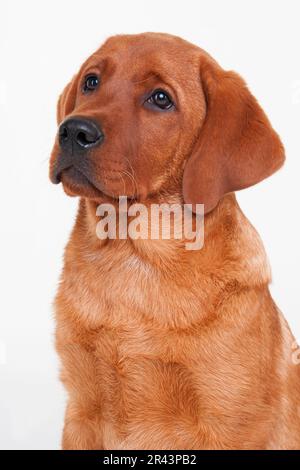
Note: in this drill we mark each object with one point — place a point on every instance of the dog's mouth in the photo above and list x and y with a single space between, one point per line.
77 178
75 183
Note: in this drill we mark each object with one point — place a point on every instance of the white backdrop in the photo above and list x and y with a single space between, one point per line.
42 43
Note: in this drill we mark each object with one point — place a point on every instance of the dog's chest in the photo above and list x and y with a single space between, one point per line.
146 385
164 389
160 381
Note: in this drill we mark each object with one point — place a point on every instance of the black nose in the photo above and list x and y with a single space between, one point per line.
79 134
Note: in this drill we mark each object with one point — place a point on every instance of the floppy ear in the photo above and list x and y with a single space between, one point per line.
66 101
237 146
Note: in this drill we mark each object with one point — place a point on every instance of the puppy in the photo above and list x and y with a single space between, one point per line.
163 347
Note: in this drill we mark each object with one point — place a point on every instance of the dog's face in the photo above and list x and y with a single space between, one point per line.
129 118
152 113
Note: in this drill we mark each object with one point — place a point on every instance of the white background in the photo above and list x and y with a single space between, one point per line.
42 43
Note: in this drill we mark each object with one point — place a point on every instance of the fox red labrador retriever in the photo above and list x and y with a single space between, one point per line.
164 347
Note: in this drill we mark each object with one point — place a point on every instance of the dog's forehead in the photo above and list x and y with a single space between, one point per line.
135 54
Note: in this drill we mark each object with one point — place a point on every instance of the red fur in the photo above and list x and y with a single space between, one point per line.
164 348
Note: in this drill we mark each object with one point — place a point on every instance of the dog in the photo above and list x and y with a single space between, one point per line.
163 347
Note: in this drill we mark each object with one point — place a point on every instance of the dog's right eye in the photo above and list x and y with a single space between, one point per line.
91 82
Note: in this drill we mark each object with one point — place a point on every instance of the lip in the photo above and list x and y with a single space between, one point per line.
61 162
75 183
66 171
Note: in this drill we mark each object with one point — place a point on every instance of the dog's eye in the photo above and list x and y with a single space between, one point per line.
160 99
90 83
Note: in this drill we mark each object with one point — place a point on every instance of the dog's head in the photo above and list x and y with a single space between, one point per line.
152 113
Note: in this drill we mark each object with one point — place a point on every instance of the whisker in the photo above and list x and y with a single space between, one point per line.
132 175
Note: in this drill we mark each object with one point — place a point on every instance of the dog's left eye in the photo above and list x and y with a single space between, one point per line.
91 82
160 99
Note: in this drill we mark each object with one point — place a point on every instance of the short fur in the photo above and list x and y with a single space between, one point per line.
164 348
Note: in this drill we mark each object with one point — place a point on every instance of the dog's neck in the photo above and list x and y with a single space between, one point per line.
226 241
231 259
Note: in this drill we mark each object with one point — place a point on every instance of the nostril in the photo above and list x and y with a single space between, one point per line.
85 139
63 134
